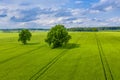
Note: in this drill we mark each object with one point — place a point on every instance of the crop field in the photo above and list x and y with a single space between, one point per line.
87 56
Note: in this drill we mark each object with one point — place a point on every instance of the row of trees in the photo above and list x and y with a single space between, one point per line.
116 28
56 37
83 29
93 28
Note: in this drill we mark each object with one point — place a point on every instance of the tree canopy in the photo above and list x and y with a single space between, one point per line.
57 36
24 36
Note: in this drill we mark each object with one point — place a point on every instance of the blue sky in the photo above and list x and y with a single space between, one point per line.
47 13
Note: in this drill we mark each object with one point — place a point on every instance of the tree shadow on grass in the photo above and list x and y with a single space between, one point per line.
71 46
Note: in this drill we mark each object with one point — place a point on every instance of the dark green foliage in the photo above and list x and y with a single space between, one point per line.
94 29
90 29
24 36
57 36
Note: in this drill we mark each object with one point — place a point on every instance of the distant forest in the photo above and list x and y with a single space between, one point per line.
19 29
69 29
94 28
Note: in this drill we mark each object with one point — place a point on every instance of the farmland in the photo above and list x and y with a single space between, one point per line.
88 56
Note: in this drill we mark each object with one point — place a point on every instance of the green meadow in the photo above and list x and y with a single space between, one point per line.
87 56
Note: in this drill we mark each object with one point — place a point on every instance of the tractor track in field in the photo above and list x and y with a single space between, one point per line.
72 75
8 48
47 66
108 75
11 58
39 73
76 64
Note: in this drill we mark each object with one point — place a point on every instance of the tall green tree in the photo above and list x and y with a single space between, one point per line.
24 36
57 36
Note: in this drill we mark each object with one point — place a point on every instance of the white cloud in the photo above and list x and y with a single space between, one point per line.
114 19
48 13
78 12
94 11
106 5
31 3
78 2
108 8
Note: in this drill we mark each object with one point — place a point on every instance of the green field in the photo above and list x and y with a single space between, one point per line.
88 56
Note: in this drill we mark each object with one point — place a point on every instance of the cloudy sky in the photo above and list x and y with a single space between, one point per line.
47 13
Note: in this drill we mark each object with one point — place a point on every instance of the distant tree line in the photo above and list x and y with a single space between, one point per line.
109 28
82 29
19 29
93 28
69 29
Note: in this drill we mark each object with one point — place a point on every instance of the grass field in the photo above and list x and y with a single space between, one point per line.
88 56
